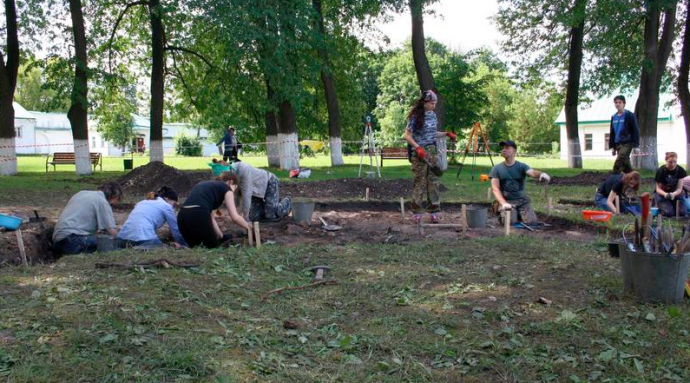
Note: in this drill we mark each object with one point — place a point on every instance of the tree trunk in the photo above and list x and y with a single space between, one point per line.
157 81
8 83
77 113
329 89
656 56
272 146
683 78
572 95
287 137
421 63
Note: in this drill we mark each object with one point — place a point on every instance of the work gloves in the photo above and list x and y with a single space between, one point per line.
452 136
669 196
544 177
505 206
420 152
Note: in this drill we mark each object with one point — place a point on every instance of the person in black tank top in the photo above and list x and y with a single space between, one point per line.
623 186
197 224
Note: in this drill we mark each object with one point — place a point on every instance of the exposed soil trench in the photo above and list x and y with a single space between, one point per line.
361 222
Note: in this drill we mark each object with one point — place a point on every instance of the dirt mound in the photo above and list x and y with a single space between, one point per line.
584 178
153 175
349 188
37 245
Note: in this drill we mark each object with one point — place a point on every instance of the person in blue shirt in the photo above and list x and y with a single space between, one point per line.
228 143
150 215
624 136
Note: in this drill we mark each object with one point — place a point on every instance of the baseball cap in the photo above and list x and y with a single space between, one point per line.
507 143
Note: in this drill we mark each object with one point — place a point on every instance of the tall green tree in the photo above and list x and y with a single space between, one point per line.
657 49
683 79
540 33
9 67
78 111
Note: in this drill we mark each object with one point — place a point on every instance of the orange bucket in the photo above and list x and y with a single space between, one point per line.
483 177
596 215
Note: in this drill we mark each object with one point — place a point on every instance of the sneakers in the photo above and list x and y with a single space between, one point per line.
435 218
417 218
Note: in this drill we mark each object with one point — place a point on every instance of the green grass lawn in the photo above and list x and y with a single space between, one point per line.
433 311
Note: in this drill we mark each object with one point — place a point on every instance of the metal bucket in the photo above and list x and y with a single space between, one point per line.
654 278
302 212
106 243
476 217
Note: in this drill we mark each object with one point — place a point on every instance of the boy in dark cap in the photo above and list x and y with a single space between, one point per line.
508 183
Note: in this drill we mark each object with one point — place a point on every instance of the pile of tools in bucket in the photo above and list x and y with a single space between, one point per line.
656 239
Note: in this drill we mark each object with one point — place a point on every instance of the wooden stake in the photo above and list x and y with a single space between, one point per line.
463 217
366 195
402 208
506 218
20 243
549 204
420 228
441 225
546 190
488 194
250 240
257 234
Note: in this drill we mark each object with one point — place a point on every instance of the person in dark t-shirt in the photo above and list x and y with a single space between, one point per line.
669 186
620 185
197 224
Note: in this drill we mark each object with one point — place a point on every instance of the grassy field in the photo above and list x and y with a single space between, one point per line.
433 311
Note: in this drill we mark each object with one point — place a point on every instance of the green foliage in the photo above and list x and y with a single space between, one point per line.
36 90
188 146
114 112
533 114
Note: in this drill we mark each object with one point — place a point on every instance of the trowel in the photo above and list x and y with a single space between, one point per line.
328 227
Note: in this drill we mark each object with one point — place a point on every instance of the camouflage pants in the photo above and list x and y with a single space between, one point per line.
622 163
425 183
271 207
522 211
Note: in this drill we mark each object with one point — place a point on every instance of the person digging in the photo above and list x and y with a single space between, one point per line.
508 185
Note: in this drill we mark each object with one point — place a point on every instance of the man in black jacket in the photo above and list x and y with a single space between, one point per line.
624 135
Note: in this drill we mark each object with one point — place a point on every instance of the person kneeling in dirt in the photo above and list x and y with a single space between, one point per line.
620 185
150 215
259 194
197 224
669 186
508 184
86 213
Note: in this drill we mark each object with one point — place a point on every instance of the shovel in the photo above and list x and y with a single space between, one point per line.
328 227
38 219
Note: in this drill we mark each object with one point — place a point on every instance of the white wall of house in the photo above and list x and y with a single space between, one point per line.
594 140
24 125
594 127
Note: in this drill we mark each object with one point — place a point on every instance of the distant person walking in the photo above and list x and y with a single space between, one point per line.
225 145
624 135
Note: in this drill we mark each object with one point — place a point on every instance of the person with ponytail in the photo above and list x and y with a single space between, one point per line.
150 215
197 222
421 135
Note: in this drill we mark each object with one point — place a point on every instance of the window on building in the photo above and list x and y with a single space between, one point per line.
606 141
19 131
588 141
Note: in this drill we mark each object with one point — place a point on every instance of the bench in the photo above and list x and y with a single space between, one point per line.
393 154
69 159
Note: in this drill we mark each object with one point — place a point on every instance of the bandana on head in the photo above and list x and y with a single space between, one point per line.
429 95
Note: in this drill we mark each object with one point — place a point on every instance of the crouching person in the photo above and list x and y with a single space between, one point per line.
622 186
196 220
259 193
508 184
150 215
86 213
669 186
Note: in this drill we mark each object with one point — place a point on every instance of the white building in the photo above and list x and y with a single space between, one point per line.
595 123
46 133
24 124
